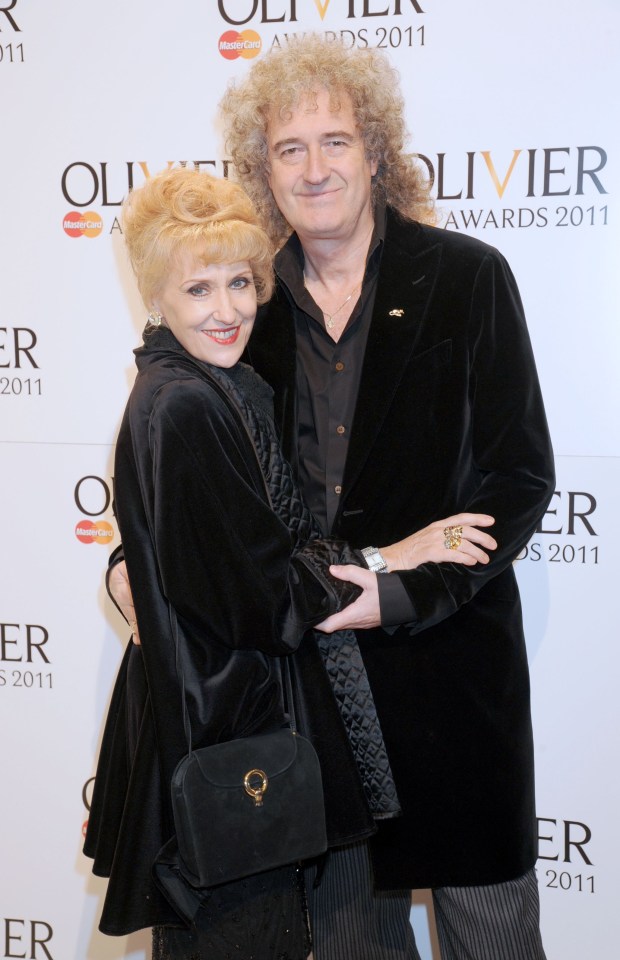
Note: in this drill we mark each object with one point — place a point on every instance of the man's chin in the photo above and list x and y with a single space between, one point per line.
321 228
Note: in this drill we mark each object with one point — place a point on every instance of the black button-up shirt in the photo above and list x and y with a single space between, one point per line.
328 379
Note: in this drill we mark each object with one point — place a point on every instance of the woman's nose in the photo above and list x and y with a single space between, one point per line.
223 307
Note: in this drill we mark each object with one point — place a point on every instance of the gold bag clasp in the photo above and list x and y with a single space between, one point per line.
255 790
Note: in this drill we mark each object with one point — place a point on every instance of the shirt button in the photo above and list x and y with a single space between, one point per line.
338 489
340 429
339 366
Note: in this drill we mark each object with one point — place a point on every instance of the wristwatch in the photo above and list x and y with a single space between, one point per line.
374 560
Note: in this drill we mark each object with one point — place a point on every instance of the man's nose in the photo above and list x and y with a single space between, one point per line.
317 169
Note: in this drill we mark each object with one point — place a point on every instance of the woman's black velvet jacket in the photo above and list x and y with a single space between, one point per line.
200 534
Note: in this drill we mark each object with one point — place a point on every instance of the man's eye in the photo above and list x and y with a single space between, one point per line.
333 146
288 153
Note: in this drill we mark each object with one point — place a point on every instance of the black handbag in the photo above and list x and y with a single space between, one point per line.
248 805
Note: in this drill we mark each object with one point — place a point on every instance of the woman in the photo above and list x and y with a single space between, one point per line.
212 530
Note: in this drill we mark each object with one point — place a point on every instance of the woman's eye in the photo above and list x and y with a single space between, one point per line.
198 291
239 283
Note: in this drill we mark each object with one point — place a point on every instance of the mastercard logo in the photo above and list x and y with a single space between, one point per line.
245 44
89 532
87 224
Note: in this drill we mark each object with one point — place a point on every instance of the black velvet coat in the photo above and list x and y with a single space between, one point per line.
449 418
200 534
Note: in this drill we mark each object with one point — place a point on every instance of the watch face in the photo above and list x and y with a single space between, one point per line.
374 560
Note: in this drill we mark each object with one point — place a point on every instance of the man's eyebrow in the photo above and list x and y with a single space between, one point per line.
285 142
343 134
328 135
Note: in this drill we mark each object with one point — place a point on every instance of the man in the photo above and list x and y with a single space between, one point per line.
406 392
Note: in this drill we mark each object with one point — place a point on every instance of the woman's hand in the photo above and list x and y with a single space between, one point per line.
429 544
118 584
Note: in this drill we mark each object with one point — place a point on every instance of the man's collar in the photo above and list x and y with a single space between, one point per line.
289 261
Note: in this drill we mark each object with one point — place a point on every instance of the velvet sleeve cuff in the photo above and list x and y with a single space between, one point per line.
395 603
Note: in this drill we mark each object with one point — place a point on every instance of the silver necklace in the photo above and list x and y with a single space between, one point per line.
329 317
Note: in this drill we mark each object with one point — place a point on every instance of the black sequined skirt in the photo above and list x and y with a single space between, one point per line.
260 918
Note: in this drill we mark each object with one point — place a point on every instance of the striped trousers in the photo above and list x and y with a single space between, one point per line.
351 921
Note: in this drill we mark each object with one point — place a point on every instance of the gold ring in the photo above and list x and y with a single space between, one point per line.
453 537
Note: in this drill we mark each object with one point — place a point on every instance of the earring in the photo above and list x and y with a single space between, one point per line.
154 318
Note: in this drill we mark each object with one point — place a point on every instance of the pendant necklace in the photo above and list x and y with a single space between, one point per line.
329 317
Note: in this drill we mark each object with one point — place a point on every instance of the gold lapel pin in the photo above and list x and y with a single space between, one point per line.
396 313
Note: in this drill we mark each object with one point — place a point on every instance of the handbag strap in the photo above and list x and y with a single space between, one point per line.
177 662
287 685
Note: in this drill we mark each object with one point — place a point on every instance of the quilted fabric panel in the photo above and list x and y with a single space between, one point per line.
344 664
340 651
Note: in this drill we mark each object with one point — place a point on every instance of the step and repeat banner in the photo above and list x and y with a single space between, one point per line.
512 110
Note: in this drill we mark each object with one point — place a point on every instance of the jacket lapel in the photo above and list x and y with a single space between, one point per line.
407 277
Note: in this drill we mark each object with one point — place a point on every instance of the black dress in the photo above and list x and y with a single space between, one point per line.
263 917
212 527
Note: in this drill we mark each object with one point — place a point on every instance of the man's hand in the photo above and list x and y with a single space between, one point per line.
364 612
427 545
118 583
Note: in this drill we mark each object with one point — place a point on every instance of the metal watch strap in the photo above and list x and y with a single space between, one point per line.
374 560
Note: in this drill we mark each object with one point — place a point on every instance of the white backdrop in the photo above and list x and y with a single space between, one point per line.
513 106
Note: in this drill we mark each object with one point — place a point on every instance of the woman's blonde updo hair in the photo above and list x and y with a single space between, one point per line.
281 79
184 211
